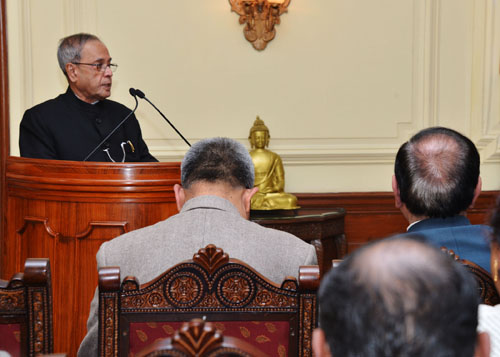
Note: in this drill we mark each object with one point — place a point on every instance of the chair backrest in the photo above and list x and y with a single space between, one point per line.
487 291
26 310
200 338
229 293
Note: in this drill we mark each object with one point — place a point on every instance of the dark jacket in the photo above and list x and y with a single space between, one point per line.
456 233
67 128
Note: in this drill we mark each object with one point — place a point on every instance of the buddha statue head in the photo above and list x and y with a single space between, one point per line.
259 135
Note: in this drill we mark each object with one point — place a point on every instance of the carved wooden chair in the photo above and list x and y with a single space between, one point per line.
487 290
200 338
26 310
279 320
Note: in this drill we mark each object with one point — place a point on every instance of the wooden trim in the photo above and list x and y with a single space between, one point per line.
4 117
372 215
360 202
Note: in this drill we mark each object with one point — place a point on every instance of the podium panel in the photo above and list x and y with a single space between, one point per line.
64 210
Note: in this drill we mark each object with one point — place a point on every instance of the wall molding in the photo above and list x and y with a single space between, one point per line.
80 16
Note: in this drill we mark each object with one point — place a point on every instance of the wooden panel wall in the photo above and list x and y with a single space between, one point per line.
372 215
4 111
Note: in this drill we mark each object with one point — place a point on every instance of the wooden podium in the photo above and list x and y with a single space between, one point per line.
64 210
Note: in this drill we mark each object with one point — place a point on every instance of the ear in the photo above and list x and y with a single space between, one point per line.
320 348
395 190
180 196
71 72
483 345
247 199
477 191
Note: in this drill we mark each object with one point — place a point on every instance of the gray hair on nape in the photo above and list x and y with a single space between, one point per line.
218 160
70 48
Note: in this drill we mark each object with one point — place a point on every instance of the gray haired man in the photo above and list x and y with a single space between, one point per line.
70 126
399 297
217 177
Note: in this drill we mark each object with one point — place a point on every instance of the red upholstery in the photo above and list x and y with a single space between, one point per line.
10 339
267 336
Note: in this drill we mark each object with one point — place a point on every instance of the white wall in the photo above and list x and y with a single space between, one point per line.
342 85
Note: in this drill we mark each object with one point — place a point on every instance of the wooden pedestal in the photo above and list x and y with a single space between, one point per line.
64 210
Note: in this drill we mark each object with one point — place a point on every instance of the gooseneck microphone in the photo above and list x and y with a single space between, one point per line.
141 95
134 94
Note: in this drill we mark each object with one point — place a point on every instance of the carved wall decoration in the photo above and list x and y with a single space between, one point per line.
260 18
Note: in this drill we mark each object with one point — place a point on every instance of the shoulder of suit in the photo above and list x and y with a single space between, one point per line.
134 236
276 233
48 105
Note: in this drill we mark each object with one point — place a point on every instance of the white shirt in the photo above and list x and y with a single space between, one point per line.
489 321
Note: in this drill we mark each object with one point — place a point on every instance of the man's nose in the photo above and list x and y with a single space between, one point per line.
108 71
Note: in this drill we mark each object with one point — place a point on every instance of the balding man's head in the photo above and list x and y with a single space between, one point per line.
437 173
399 297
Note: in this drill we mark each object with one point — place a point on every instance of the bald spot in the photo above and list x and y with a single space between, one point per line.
436 157
390 266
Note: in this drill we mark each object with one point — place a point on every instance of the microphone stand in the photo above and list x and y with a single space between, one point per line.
141 95
116 128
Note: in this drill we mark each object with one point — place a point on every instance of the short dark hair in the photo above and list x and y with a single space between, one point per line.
218 160
437 171
495 223
399 297
70 48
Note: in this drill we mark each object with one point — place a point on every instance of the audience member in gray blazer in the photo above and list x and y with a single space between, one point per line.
217 177
436 180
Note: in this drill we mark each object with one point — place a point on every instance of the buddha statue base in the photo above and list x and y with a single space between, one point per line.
274 201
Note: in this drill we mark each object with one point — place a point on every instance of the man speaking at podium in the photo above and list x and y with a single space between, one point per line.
72 125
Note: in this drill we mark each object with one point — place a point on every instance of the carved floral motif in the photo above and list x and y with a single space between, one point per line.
38 317
184 290
211 258
236 290
155 299
197 337
308 319
210 301
12 300
110 326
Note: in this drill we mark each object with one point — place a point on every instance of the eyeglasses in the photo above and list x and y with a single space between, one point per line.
100 67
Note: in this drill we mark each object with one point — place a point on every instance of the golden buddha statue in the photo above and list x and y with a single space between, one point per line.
269 173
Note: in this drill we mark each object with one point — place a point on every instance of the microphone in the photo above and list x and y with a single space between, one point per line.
134 94
141 95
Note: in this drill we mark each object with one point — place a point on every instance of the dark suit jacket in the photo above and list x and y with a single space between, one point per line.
468 241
